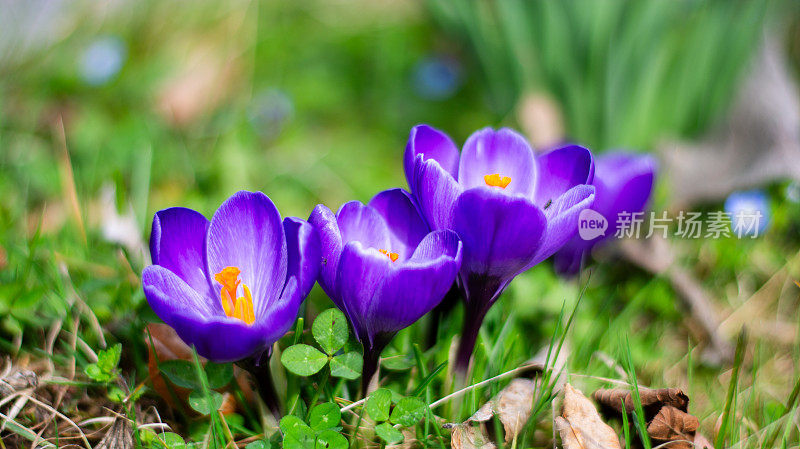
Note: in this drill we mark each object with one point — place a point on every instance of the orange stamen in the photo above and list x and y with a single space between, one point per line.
241 307
392 256
495 180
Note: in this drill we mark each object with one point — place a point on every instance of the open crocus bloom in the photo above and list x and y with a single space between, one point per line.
623 183
232 286
382 266
511 208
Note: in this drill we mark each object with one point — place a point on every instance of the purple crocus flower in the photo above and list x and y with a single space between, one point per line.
232 286
511 208
383 267
623 183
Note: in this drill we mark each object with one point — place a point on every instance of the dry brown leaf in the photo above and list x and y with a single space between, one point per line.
580 426
512 406
119 436
557 363
466 436
652 400
671 424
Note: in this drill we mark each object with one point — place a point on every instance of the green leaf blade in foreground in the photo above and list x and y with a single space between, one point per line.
324 416
408 411
347 366
330 330
388 433
378 403
303 360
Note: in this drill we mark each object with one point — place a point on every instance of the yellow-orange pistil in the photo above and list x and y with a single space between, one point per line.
392 256
495 180
241 307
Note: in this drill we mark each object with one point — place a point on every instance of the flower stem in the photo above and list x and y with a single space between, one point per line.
370 368
326 372
266 387
473 318
443 309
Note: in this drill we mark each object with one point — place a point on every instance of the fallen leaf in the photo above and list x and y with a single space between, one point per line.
580 426
652 400
466 436
119 436
556 362
671 424
666 414
512 406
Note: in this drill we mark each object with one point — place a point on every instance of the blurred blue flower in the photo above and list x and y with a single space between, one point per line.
102 60
436 77
749 212
269 112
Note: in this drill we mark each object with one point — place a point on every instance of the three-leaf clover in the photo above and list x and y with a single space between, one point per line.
408 412
321 431
330 331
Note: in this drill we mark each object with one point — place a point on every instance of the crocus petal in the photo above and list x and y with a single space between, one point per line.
282 312
177 243
412 289
302 242
364 224
436 192
624 183
246 232
560 170
562 220
215 336
330 239
431 144
504 152
500 233
406 226
567 261
443 243
221 339
359 277
168 294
